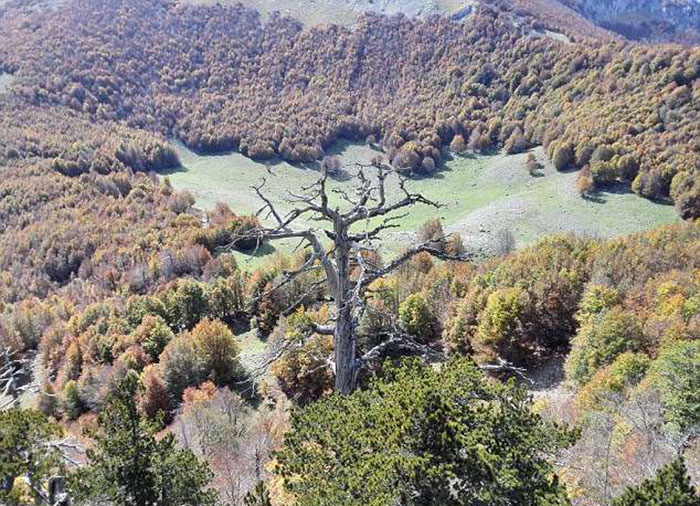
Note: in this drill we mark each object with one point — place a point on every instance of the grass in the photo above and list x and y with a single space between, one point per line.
480 194
5 81
342 12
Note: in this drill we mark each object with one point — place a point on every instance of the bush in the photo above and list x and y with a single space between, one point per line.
563 156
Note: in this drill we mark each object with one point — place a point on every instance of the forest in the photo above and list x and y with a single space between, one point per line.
219 78
123 373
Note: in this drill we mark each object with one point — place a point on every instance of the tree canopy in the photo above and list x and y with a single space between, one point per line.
131 466
419 435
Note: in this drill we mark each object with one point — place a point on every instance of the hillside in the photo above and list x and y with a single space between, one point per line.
326 257
622 113
654 20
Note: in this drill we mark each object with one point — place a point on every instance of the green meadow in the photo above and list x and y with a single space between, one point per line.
480 195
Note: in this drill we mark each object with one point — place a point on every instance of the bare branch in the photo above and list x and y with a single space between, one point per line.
430 247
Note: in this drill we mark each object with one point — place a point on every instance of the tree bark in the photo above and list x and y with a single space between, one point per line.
344 342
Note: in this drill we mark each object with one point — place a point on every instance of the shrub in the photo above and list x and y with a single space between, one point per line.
458 144
563 156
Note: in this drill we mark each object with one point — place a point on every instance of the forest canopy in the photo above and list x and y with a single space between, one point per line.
218 78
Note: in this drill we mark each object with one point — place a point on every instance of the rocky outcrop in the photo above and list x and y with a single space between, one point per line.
673 20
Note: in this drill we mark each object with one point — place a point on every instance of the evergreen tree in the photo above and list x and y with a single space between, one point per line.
670 487
25 452
129 466
259 496
423 436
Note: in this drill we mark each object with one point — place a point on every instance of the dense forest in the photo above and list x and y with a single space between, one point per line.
219 78
131 302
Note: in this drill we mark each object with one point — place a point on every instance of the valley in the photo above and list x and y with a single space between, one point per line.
532 340
481 194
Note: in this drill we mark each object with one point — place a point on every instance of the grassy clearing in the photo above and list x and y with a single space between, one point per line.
5 82
343 12
481 195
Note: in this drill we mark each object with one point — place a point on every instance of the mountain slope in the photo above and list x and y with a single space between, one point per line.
655 20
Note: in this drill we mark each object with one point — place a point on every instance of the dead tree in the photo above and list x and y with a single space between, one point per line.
13 375
352 233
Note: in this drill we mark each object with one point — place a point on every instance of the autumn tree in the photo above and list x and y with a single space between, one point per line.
670 487
354 232
129 465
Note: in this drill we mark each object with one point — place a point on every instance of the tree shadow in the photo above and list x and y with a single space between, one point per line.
594 198
263 250
179 169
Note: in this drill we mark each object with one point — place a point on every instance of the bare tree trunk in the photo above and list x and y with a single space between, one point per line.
344 356
368 202
344 342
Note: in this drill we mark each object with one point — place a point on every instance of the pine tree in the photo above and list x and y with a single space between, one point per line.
259 496
129 466
423 437
670 487
24 450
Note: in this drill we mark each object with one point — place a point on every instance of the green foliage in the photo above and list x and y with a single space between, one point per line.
154 334
181 366
597 298
420 435
522 302
25 435
501 323
417 318
259 496
130 466
600 341
217 350
676 374
670 487
625 372
186 305
72 404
